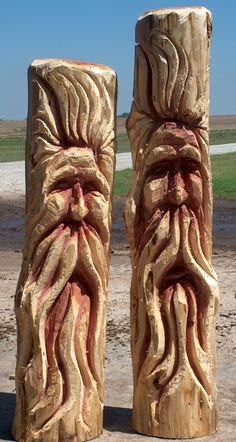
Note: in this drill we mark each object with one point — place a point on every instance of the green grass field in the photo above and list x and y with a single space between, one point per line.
12 148
216 137
123 143
223 176
223 166
222 136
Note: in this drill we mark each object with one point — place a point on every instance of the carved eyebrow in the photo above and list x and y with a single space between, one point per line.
160 153
189 151
167 152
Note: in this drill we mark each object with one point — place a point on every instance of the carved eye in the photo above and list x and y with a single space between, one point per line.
63 185
89 187
159 170
191 167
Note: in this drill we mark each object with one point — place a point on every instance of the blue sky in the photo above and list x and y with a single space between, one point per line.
100 32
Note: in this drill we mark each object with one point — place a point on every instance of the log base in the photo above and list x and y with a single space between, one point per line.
196 418
56 434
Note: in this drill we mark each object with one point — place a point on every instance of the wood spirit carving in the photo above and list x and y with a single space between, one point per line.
62 291
174 292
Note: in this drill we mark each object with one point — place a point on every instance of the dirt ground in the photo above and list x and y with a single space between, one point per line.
118 401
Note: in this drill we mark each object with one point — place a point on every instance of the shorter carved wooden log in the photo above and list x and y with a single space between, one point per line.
62 291
174 292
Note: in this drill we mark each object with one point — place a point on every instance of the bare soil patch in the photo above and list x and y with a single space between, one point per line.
12 128
222 122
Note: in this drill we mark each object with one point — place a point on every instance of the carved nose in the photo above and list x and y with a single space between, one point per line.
177 194
78 208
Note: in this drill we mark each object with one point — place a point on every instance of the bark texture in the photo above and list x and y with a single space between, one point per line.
62 291
174 291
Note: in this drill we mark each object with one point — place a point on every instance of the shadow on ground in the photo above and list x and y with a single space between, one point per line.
7 410
117 419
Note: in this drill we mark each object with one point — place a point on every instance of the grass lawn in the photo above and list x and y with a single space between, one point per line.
216 137
223 172
224 175
122 143
12 148
123 180
223 166
222 136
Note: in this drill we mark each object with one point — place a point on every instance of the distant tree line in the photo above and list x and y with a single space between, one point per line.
124 115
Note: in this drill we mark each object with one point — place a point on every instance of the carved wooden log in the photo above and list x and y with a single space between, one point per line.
62 291
174 291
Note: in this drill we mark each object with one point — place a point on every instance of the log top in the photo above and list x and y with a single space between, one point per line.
53 62
181 11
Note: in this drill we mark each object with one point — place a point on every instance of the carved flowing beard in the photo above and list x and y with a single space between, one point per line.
67 290
176 305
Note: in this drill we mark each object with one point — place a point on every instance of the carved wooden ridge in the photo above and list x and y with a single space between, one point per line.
62 291
174 289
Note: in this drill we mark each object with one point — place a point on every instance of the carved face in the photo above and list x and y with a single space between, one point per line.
172 171
78 191
173 283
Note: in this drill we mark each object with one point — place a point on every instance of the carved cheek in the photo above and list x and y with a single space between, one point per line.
194 188
154 194
57 206
97 207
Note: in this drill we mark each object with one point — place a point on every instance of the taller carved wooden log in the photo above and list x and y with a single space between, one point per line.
174 292
62 291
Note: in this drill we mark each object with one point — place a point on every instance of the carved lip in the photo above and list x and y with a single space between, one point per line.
176 273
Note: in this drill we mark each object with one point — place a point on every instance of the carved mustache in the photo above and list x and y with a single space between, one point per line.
169 260
162 222
62 258
174 243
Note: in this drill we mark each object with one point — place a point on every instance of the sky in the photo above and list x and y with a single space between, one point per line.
100 32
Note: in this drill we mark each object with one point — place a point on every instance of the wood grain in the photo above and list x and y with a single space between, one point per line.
174 290
61 296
